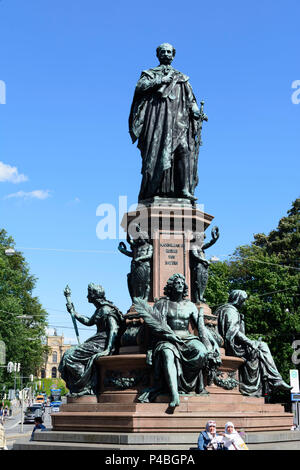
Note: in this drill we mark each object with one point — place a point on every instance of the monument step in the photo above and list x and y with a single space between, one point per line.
53 440
79 446
117 438
155 438
137 422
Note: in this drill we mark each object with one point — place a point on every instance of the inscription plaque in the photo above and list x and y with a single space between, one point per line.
171 251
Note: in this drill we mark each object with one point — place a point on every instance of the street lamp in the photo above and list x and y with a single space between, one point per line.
10 367
13 367
2 352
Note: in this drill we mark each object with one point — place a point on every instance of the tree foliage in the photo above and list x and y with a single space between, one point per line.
23 337
269 271
45 385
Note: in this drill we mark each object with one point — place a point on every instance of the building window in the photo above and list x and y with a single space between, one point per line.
54 373
43 374
54 357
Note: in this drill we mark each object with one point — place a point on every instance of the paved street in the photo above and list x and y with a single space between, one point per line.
12 426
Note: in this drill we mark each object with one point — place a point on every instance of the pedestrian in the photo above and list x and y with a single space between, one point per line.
232 439
5 412
38 422
1 415
2 438
209 439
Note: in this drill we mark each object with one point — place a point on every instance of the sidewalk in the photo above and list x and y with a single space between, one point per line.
11 423
11 437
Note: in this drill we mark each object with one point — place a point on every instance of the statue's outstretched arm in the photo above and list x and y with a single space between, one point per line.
215 236
84 320
122 248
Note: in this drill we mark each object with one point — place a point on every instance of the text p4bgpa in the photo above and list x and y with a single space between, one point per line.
160 459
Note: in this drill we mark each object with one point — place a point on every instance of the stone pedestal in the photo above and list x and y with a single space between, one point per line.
170 225
117 409
122 378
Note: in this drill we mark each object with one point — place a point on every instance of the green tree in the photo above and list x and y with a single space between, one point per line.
23 337
47 384
218 285
285 240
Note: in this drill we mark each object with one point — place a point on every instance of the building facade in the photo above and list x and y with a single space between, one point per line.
57 348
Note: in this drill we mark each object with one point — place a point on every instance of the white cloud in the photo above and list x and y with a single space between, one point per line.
37 194
11 174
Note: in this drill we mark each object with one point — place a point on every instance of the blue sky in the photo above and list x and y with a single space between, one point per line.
70 68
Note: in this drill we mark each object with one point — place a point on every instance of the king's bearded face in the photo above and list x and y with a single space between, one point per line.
165 54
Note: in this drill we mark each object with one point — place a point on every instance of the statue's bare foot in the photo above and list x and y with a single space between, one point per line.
281 385
175 402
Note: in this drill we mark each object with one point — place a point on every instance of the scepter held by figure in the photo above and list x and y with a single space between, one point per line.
71 310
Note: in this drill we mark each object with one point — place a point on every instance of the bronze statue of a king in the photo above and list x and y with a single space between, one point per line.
166 121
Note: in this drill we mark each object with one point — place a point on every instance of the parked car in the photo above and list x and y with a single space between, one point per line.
32 412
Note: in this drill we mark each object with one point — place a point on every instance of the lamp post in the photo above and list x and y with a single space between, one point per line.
24 395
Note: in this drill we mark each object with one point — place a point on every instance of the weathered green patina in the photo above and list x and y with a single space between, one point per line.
177 356
77 364
259 370
140 274
199 264
117 380
167 122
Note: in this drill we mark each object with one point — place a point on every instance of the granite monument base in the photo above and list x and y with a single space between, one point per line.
117 409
